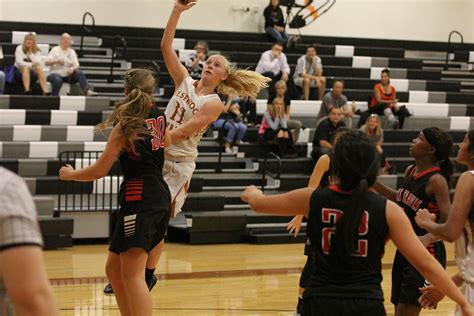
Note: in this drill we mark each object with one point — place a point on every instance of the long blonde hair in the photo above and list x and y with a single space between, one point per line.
35 48
272 108
135 108
378 129
241 82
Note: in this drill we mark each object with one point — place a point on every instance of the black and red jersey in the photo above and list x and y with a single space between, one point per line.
411 196
142 167
147 158
355 276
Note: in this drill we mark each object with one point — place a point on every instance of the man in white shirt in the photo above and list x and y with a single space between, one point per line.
309 73
65 67
273 64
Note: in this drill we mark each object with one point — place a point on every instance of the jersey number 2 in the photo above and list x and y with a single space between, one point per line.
332 216
157 126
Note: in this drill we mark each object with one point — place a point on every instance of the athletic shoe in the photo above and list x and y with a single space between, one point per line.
152 282
108 290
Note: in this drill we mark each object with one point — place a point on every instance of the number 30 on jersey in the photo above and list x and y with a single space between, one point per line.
157 126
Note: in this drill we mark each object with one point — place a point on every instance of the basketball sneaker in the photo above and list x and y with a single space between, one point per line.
152 282
108 290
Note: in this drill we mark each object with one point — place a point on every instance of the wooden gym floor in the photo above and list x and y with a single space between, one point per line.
236 279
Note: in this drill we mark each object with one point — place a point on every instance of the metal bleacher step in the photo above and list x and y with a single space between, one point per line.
44 205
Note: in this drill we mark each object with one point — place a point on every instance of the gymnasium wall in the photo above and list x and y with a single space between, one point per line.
391 19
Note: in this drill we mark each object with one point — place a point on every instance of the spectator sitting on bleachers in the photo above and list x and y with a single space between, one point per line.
309 73
323 135
65 67
384 102
2 82
373 128
274 128
28 64
274 65
281 92
195 61
231 121
275 22
335 98
248 108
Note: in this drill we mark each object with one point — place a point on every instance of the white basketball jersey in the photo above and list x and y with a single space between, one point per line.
464 250
181 108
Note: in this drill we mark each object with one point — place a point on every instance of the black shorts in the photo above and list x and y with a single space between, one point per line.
406 280
144 215
329 306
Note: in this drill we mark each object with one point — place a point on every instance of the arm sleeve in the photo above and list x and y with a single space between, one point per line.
321 133
284 64
18 218
299 68
281 18
19 56
75 60
267 14
274 124
266 63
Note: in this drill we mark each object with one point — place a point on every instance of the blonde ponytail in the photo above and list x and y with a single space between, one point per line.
242 82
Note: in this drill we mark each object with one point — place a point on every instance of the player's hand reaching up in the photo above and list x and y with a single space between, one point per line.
183 5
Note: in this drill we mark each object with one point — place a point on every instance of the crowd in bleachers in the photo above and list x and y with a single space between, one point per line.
31 65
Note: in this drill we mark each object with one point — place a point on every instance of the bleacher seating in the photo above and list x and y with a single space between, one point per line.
35 130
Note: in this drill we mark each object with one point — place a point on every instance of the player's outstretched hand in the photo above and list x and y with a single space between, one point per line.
248 192
294 226
183 5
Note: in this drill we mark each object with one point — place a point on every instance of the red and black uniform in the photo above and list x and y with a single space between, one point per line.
342 284
406 280
145 199
308 268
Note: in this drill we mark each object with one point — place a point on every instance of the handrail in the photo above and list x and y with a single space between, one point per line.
221 142
448 52
266 172
85 29
114 54
90 196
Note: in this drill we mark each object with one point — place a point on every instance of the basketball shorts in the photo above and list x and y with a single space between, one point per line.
144 215
467 290
329 306
178 176
406 280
